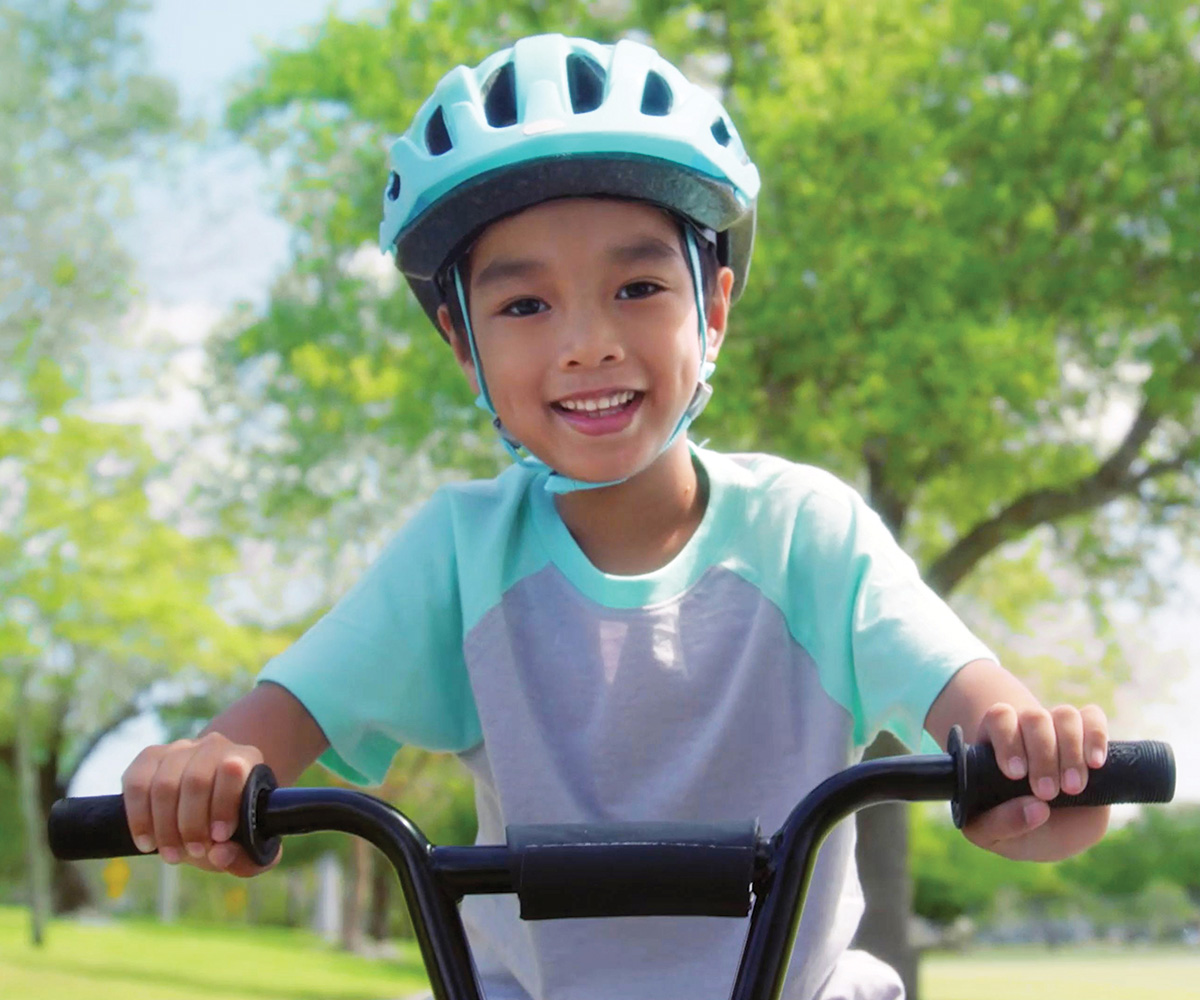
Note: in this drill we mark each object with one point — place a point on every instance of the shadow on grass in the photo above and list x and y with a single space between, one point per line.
133 973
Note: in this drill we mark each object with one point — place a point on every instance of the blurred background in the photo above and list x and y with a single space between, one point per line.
975 296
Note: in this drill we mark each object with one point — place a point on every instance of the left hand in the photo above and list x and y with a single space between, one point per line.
1056 749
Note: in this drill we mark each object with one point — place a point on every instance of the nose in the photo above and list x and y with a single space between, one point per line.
589 340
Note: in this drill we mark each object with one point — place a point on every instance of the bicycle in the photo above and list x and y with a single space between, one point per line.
639 869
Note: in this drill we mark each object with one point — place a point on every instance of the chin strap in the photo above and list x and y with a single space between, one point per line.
556 482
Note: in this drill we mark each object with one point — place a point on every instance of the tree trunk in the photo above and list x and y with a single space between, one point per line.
378 925
69 891
882 855
34 821
358 880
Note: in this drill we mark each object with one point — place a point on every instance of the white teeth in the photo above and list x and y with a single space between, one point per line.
598 403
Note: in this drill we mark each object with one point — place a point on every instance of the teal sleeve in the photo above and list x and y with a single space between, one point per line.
384 666
884 642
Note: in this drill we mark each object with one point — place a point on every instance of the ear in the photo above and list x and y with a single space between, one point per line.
718 312
462 350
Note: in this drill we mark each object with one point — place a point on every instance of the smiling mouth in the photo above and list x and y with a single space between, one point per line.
599 406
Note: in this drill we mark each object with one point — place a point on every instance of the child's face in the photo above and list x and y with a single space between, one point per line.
585 321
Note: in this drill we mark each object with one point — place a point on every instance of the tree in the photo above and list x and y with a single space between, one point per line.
104 601
86 567
75 104
976 257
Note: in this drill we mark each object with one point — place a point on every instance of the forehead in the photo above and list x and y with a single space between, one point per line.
558 227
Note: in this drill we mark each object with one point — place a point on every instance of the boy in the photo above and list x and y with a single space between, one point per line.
623 626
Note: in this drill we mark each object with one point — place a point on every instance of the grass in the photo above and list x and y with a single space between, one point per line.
1092 973
140 960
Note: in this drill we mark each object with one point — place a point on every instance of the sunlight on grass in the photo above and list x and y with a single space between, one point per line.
1086 973
139 960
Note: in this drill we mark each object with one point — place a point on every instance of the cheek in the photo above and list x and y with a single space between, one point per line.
508 373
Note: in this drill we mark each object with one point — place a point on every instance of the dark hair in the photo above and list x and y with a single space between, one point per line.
709 265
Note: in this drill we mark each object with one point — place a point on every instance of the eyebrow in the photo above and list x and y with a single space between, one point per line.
648 249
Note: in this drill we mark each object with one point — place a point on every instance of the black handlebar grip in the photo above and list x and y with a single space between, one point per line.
95 826
1134 771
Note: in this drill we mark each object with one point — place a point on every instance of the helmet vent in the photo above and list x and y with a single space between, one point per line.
393 188
585 79
656 96
500 97
437 139
720 132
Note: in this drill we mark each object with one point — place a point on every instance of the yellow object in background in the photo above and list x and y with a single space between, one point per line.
116 877
235 901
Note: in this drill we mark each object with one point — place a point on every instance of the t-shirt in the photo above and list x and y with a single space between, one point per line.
722 686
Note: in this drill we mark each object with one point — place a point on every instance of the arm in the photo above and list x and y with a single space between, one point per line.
183 798
1055 748
272 719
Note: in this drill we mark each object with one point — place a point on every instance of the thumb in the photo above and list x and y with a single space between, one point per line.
1008 820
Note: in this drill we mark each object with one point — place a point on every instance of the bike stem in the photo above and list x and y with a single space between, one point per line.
779 899
434 879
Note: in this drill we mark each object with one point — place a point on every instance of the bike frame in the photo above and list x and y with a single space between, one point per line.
435 879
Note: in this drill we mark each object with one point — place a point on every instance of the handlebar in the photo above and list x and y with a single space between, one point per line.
600 870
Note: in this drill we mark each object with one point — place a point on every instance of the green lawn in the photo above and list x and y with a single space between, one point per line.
1086 973
137 960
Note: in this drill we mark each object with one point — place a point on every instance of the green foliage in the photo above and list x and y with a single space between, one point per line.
952 877
1161 844
99 596
977 236
1147 871
75 101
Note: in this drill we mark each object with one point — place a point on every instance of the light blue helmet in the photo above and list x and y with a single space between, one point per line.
555 117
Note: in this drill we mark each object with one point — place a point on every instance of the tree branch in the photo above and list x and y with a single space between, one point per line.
1109 481
883 499
126 712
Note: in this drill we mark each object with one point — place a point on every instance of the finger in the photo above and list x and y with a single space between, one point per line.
229 782
195 794
1041 752
1063 835
1068 731
1007 821
164 800
1095 735
1000 728
243 867
135 788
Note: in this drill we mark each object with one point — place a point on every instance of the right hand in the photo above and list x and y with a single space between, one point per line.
183 799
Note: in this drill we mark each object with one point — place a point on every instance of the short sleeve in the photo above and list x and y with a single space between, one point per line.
886 644
384 667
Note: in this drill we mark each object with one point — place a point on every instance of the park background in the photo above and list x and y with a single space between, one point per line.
974 296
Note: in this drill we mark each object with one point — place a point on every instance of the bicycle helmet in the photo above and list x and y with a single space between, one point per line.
556 117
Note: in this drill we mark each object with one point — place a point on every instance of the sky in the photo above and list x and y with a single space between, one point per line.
208 239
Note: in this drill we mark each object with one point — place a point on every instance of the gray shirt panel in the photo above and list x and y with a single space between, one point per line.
700 708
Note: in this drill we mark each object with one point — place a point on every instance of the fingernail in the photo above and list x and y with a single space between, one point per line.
1045 788
144 843
220 831
1036 813
195 850
1097 757
170 855
1072 782
1016 768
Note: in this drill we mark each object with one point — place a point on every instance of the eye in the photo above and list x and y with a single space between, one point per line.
639 290
523 307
